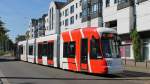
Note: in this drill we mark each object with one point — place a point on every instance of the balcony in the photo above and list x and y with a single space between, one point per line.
140 1
123 5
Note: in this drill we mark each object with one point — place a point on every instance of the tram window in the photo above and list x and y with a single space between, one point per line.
95 49
30 50
21 49
44 49
84 47
65 50
72 49
39 50
50 51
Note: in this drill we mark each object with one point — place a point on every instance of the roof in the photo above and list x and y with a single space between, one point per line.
60 5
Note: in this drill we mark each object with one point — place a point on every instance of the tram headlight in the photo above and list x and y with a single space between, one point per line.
109 63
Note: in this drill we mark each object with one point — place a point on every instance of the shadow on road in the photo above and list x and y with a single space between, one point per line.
38 78
125 74
135 74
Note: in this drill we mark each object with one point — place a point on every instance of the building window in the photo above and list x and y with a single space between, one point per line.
111 24
72 20
84 13
125 50
115 1
80 2
66 22
63 22
60 23
122 1
66 12
94 8
72 9
81 15
76 16
100 7
107 3
76 5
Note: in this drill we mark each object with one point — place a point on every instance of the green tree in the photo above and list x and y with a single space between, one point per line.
5 42
136 41
20 38
27 35
3 35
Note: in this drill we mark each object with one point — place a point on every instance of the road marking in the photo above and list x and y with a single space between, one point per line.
4 80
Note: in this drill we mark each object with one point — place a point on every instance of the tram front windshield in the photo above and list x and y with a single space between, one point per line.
110 47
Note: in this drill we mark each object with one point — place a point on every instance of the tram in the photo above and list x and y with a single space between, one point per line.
91 49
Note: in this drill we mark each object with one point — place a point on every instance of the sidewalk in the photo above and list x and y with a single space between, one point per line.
140 66
137 69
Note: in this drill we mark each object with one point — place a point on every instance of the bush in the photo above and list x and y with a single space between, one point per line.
2 52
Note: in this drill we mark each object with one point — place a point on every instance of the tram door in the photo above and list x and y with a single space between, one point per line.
84 55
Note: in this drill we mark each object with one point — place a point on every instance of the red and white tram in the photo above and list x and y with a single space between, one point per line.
23 50
31 50
47 50
92 50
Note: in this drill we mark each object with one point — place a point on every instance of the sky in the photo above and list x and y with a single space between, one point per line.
16 14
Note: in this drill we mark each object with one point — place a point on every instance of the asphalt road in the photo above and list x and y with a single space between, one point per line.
17 72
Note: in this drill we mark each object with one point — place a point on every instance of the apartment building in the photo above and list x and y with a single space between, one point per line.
41 25
32 28
92 13
70 15
46 24
53 18
118 14
143 25
37 27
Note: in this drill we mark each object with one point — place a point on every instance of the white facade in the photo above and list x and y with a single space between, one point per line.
53 19
46 24
124 20
71 11
143 25
110 12
143 16
122 16
32 28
